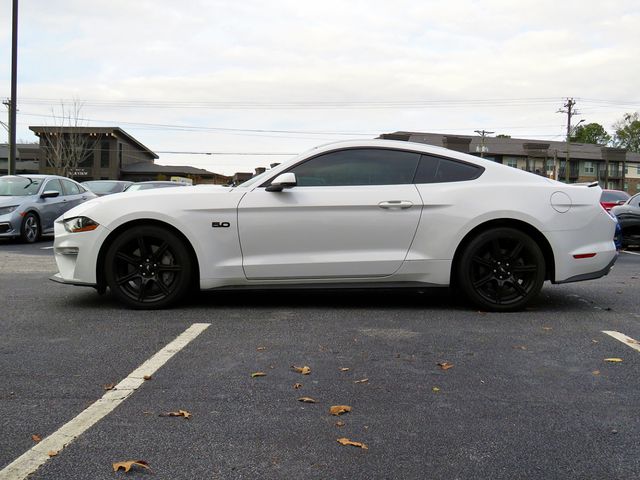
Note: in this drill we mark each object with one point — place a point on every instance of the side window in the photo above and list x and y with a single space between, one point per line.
635 201
53 186
361 166
70 188
441 170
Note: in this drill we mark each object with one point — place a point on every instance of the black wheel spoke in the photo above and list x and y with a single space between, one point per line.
141 291
483 281
165 290
524 268
157 255
128 258
127 278
169 268
519 288
142 247
517 249
482 261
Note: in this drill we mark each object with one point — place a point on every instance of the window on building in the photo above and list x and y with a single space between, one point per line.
511 162
120 155
104 154
589 168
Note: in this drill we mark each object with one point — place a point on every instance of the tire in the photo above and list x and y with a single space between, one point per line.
30 228
501 270
148 267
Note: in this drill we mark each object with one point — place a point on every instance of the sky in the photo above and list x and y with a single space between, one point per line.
230 86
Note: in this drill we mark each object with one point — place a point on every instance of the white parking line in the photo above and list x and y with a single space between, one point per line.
630 253
33 459
628 341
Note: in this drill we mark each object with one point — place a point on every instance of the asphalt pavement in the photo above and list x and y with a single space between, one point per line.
521 395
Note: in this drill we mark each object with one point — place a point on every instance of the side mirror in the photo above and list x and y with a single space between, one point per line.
282 181
49 194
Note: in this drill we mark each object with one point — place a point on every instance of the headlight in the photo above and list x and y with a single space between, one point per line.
79 224
5 210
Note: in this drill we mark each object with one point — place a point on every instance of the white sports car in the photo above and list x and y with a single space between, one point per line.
373 213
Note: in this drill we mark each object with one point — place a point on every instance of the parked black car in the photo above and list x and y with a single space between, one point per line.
628 216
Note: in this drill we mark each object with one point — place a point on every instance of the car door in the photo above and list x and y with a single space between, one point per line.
74 194
353 213
52 207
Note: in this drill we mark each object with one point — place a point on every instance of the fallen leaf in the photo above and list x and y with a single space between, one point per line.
339 409
547 328
52 453
596 372
109 386
303 370
261 349
364 380
344 369
594 341
147 377
631 341
340 424
307 400
346 441
36 438
481 312
435 389
258 374
297 385
613 360
130 463
445 365
179 413
519 347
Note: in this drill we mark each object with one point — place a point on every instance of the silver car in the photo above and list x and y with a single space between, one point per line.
29 204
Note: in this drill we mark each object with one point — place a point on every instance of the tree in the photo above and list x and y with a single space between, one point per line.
502 135
590 133
628 132
65 147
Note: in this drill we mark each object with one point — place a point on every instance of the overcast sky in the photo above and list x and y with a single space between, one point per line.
283 76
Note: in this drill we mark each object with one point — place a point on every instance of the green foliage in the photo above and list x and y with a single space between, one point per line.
590 133
628 132
502 135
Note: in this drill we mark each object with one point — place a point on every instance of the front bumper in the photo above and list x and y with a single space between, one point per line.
76 255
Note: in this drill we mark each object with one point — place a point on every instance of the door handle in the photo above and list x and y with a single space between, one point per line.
396 204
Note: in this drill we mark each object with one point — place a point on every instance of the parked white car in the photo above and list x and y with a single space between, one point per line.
373 213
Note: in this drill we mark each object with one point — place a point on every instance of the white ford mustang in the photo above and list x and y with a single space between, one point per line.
373 213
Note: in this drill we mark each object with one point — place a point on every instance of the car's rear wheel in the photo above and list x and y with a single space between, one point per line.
30 229
502 269
148 267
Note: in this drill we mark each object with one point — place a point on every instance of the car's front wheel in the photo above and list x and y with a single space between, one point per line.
148 267
30 229
501 269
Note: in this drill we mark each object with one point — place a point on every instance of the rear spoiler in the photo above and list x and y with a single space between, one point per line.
585 184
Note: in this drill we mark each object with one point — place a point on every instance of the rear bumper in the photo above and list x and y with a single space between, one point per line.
591 275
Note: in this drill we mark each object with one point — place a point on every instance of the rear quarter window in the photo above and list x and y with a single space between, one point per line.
443 170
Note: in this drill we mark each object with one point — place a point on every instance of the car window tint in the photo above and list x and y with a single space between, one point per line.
70 188
439 170
613 196
366 166
53 186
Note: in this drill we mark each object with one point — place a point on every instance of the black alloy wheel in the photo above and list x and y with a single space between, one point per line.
148 267
502 269
30 228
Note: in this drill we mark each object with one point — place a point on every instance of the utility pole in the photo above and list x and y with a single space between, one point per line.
11 167
570 113
483 134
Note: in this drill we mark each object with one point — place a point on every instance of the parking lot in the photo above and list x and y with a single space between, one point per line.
437 390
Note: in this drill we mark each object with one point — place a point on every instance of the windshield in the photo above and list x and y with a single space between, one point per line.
19 186
613 196
103 187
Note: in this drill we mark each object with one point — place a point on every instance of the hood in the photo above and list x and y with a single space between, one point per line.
14 200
